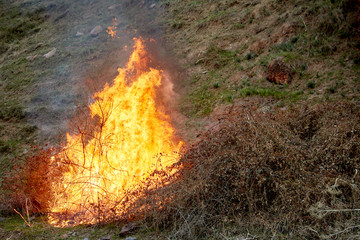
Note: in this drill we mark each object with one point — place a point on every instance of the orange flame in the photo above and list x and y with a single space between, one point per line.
132 139
111 30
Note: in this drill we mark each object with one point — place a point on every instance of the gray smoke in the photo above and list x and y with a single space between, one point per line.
85 58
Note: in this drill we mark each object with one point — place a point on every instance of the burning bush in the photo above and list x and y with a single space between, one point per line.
27 185
119 144
130 138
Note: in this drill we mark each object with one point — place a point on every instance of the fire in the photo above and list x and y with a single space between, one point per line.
111 30
133 138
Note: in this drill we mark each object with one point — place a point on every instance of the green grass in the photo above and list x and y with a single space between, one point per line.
204 99
219 58
40 229
216 15
269 92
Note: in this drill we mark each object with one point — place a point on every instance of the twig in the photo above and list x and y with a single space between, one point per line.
27 210
326 211
27 223
356 172
342 231
313 230
302 19
339 210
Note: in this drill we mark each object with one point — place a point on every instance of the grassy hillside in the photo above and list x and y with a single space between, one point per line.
273 155
16 31
226 47
264 160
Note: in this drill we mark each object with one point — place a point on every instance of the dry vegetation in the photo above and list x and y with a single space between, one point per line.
281 165
265 170
274 173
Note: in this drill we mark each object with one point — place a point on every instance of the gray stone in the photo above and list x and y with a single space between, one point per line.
50 54
96 30
31 58
131 238
128 228
79 34
38 45
105 238
115 6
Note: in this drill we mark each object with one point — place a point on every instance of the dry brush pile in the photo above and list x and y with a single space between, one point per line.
289 172
285 172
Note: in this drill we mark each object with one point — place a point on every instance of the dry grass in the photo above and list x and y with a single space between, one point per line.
283 173
292 174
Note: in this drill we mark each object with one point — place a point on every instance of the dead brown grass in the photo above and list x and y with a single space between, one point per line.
292 173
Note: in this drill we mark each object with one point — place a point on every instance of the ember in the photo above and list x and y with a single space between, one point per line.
111 30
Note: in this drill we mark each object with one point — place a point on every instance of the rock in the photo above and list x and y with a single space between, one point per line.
128 228
2 219
62 15
31 58
278 72
113 7
152 5
64 236
79 34
96 30
50 54
38 45
265 109
105 238
86 239
131 238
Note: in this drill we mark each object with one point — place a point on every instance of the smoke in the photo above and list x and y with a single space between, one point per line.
84 62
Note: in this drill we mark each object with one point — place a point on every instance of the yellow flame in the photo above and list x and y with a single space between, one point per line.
122 151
